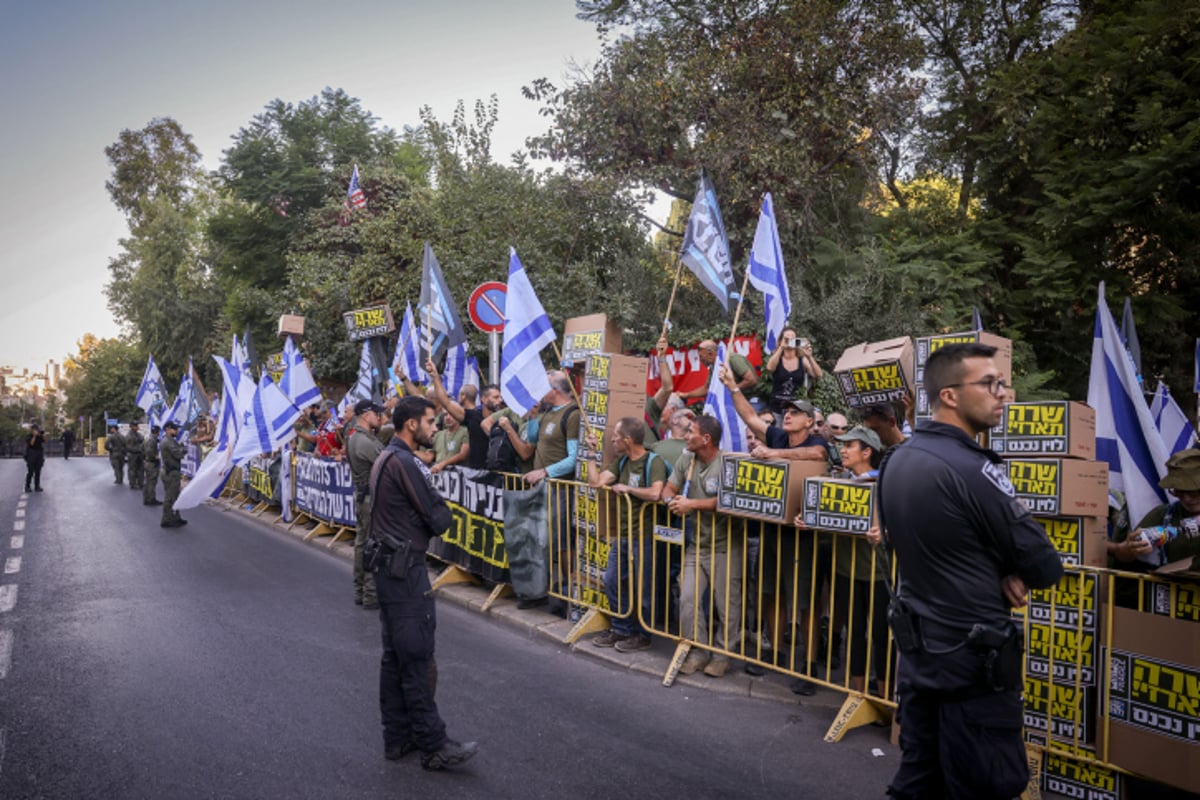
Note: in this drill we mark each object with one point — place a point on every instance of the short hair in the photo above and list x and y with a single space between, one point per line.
559 381
711 427
487 387
885 411
410 407
634 428
945 367
469 391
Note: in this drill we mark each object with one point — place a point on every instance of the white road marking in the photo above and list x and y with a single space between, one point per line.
21 502
1 751
6 641
12 565
17 542
20 513
18 525
8 597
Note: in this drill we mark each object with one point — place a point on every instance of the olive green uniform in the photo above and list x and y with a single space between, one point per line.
171 453
150 461
361 451
134 455
115 445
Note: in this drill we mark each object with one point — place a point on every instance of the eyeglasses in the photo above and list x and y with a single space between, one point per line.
833 427
990 385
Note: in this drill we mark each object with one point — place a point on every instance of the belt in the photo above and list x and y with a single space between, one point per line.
946 633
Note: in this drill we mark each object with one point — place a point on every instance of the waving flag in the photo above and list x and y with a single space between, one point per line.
237 395
706 247
297 381
181 408
767 273
976 319
1125 434
354 195
408 349
150 395
1129 337
461 369
1177 433
719 404
527 329
267 424
363 388
443 328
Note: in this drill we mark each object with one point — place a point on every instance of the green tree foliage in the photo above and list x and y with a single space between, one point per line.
103 376
158 162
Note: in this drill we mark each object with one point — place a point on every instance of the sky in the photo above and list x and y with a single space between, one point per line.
77 73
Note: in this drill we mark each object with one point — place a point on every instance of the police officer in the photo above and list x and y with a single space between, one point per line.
406 514
150 460
171 453
135 456
115 444
361 451
967 551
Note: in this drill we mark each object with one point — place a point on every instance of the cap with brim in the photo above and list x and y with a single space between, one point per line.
802 405
171 424
363 406
865 435
1183 471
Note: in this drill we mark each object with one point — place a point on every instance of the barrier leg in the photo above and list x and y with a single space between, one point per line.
856 711
260 508
592 621
341 531
452 574
500 590
681 654
300 518
322 529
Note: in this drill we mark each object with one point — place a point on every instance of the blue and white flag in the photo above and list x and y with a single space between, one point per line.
237 394
150 394
267 424
363 388
182 407
461 370
1130 339
1173 425
719 404
976 319
527 329
767 273
706 247
297 381
442 327
1125 434
408 349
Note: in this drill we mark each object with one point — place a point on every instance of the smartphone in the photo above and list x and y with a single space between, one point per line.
803 343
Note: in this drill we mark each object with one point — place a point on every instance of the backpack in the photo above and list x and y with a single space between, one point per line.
645 468
501 455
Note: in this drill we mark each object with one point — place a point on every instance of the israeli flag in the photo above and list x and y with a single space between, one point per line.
719 404
150 393
237 395
297 381
461 370
408 349
706 247
527 329
363 388
1177 433
1125 434
183 401
443 327
767 273
267 424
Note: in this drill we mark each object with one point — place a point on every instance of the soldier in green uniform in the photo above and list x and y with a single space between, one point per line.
133 454
150 456
362 450
115 445
171 453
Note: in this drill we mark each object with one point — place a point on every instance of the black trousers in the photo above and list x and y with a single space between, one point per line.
406 673
33 472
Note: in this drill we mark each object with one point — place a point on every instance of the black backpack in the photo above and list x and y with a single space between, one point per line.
501 455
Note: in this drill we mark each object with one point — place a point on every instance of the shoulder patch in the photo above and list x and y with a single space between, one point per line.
997 475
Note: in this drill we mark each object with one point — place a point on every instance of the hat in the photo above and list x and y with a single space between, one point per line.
802 405
363 406
170 424
861 434
1183 471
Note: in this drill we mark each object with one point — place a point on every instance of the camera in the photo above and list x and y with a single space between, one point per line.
804 343
790 342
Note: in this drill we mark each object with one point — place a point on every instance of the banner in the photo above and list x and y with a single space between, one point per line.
263 480
475 540
690 373
324 489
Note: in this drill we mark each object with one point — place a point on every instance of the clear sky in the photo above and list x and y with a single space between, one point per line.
77 73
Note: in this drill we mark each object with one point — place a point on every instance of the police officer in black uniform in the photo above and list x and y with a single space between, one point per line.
967 551
406 513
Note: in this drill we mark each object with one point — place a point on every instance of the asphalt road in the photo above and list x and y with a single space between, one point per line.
226 660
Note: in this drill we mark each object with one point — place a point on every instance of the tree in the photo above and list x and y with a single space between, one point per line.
158 162
104 376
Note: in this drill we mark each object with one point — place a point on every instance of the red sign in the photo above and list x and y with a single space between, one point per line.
486 306
690 374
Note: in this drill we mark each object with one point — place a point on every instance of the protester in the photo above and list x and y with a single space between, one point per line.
406 514
1171 531
967 550
135 457
792 368
672 445
115 445
150 465
881 418
307 427
744 376
465 411
361 451
35 457
171 453
664 400
450 445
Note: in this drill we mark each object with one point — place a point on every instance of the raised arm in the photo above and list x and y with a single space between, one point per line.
439 393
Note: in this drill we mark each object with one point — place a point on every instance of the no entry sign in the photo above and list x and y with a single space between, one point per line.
486 306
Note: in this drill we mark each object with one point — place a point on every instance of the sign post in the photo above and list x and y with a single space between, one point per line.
486 309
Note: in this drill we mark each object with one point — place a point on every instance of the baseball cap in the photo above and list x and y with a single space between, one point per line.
864 435
171 424
363 406
802 405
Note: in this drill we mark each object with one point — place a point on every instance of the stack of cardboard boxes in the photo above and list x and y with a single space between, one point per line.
928 345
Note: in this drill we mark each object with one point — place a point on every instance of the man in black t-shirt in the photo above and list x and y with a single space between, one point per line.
468 413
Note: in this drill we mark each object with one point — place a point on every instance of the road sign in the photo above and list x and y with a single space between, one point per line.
486 306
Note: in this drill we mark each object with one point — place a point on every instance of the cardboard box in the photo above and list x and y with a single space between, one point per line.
1174 599
1072 778
1078 540
1061 487
839 505
768 490
922 410
1154 698
925 346
1062 653
291 325
1062 711
594 333
1066 429
876 373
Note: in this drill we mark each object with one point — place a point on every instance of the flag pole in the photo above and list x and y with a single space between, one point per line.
428 333
575 394
738 313
671 302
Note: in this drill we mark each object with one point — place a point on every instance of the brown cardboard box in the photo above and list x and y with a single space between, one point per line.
593 333
839 505
925 346
1061 487
291 325
1154 698
770 490
1176 599
875 373
1068 777
1063 711
1066 429
1078 540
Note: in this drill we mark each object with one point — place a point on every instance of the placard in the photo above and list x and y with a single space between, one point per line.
875 373
1060 487
1079 779
588 335
1078 540
839 505
770 490
365 323
475 540
1048 428
324 489
1064 711
192 456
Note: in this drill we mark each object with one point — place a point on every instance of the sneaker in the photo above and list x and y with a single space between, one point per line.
38 489
716 667
396 752
697 659
634 643
608 638
803 688
450 754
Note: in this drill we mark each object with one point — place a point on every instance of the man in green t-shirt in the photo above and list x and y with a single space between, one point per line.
743 371
638 474
450 445
713 555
